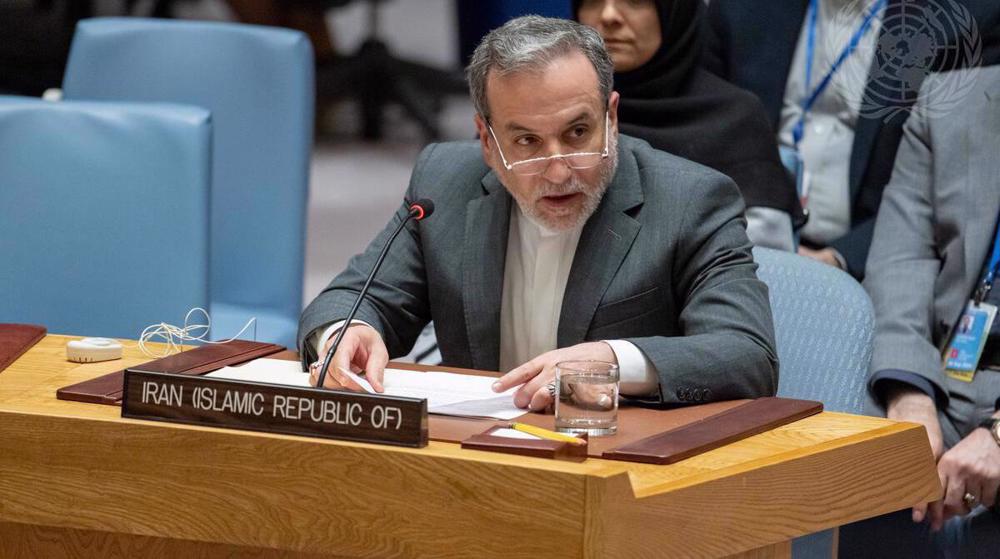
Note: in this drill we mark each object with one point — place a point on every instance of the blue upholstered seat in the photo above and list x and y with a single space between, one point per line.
258 83
103 214
824 323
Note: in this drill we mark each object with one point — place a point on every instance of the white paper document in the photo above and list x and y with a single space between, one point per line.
446 393
514 434
270 371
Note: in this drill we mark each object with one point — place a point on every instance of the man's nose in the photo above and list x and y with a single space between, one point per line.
558 171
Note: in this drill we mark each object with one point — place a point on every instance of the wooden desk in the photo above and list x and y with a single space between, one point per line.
76 480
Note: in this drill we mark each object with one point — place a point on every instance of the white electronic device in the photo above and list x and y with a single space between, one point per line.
90 350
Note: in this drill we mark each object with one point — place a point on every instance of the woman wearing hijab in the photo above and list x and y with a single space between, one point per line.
669 101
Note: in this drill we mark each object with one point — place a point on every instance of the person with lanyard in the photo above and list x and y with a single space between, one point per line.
932 277
832 211
813 64
671 102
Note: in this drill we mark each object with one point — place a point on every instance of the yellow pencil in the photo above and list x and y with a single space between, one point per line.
546 434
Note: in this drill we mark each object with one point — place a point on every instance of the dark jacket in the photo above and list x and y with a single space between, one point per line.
681 108
669 272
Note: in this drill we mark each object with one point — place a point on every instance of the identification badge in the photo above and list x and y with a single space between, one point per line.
968 340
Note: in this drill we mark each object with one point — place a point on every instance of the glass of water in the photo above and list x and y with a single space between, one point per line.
587 397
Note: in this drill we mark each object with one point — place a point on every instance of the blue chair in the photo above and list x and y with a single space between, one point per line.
103 214
258 84
824 323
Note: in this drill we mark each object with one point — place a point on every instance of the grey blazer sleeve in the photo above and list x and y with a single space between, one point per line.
396 304
726 350
904 264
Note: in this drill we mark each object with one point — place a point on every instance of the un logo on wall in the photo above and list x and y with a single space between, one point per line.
918 44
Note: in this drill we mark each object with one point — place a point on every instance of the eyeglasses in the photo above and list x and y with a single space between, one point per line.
538 165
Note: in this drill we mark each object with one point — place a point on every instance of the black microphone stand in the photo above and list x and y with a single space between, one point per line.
417 211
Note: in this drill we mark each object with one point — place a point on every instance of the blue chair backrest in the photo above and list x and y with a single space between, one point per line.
103 214
823 323
258 83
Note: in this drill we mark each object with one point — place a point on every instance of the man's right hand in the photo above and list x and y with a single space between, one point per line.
905 403
362 349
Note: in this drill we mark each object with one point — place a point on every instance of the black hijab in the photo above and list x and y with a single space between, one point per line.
678 107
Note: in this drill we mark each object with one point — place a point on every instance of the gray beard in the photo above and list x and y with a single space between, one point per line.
592 197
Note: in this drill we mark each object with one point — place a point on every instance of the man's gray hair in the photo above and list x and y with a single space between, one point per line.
530 43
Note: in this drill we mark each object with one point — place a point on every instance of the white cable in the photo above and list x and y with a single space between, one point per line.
174 336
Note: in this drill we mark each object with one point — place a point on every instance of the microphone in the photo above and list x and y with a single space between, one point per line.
419 210
424 206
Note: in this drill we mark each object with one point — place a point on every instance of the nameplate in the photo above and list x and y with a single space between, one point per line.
273 408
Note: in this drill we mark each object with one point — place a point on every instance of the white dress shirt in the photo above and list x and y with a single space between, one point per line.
771 228
537 269
829 127
534 282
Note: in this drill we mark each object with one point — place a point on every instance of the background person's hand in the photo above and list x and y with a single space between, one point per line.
972 466
362 349
535 375
824 255
909 404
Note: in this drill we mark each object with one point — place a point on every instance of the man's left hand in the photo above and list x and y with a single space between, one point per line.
972 466
535 375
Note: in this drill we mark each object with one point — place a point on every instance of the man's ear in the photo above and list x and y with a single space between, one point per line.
484 137
613 110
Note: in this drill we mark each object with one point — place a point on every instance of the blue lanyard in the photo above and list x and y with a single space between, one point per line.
986 284
811 99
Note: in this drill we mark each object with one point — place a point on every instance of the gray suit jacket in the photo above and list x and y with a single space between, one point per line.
934 229
664 263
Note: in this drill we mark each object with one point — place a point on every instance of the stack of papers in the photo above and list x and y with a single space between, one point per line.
446 393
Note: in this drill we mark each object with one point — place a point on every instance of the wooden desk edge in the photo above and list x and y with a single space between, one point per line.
610 515
759 504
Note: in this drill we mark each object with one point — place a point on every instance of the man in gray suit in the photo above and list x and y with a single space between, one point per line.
933 239
554 238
